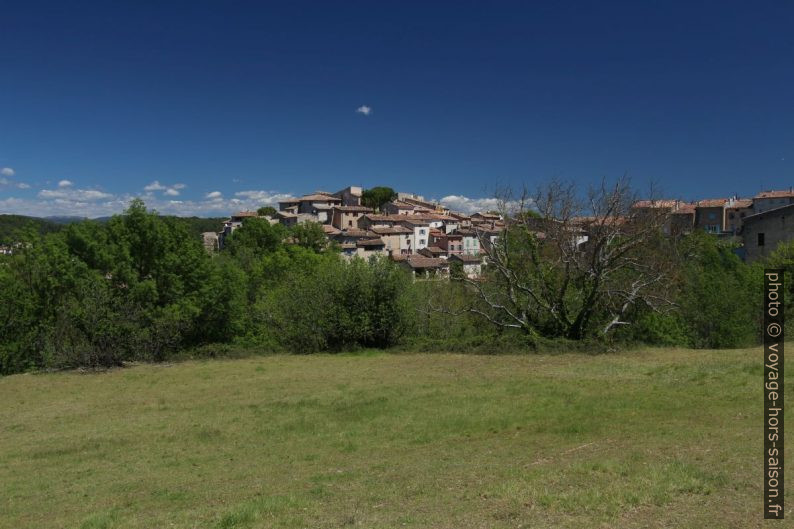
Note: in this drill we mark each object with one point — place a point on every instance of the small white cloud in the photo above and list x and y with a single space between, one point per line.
154 186
7 182
7 171
74 195
214 195
179 186
364 109
171 192
65 183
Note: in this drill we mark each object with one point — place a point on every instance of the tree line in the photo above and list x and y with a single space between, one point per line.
141 287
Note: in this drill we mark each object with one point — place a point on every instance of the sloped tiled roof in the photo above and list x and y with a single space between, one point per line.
741 203
370 242
318 197
467 258
391 230
781 193
685 209
354 209
419 261
711 203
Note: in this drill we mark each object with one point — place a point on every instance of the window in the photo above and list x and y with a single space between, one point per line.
760 239
712 216
421 232
350 223
421 241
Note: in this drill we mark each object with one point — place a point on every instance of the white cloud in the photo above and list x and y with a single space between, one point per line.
7 182
92 203
263 198
65 183
468 205
7 171
75 195
154 186
168 190
364 109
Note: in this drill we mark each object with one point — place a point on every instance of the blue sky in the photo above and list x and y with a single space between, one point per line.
216 106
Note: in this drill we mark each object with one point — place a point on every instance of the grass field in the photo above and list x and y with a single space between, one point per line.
658 438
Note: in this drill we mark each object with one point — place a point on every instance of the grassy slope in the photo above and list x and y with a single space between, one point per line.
662 438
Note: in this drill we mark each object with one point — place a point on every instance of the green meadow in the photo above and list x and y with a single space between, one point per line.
650 438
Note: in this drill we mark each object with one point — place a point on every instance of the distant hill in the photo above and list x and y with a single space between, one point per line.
11 224
64 220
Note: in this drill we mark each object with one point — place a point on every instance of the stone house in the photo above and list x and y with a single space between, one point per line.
451 243
319 204
472 264
762 232
735 212
350 196
710 215
398 207
470 242
421 229
682 220
343 217
424 267
766 200
398 239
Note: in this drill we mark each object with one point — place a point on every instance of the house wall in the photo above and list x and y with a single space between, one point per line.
471 245
421 237
396 243
734 218
765 204
472 271
710 219
367 252
452 245
307 206
351 196
390 208
346 219
776 228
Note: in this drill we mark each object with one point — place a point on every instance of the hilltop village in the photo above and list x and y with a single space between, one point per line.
427 237
424 236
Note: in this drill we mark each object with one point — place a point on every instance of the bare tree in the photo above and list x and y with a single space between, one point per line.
568 264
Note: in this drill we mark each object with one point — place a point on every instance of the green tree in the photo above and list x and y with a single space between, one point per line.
268 211
376 197
719 301
257 236
309 235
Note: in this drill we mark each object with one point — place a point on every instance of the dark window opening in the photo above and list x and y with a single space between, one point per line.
760 239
